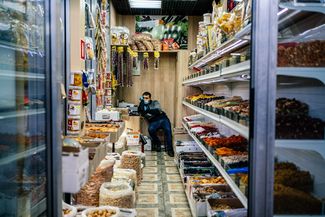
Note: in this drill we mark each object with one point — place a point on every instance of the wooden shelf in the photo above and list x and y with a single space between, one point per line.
241 129
222 171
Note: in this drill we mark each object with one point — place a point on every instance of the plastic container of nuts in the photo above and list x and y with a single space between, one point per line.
103 211
119 194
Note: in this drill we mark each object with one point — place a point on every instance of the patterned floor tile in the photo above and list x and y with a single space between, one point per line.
175 187
146 212
177 198
173 178
170 164
147 199
149 153
150 178
153 170
181 212
151 157
172 170
166 157
151 163
148 187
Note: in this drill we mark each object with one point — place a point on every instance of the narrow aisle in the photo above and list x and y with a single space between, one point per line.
161 193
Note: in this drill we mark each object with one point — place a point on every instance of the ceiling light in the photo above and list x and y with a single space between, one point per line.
145 3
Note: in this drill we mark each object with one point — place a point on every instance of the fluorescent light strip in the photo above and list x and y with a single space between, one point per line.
145 3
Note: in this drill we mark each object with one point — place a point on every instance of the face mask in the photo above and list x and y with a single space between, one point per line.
146 102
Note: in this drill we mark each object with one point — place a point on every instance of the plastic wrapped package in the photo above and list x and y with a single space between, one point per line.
115 156
148 45
103 211
119 194
140 45
89 194
119 147
68 211
141 37
132 160
125 174
156 44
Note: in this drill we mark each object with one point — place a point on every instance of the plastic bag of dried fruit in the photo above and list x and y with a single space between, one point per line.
119 194
68 211
104 211
132 160
89 193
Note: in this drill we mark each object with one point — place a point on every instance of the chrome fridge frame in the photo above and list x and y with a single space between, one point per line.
262 96
54 104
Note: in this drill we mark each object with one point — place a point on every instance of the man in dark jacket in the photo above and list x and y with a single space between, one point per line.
151 111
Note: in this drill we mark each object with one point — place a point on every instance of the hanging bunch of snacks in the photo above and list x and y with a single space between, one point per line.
156 60
129 64
101 52
146 61
132 160
118 194
120 65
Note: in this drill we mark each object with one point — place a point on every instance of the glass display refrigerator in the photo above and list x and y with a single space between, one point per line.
31 61
299 173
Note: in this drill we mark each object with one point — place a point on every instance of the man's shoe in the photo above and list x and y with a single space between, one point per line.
170 153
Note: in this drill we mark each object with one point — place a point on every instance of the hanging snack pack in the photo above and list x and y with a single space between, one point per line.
90 54
156 61
132 160
146 61
119 194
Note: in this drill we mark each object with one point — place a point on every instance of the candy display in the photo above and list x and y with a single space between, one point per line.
294 122
206 180
303 54
288 200
231 142
228 152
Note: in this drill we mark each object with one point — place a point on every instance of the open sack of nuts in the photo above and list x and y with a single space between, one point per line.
126 175
68 211
104 211
118 194
132 160
89 194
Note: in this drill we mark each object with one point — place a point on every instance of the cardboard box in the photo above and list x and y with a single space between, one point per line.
200 202
74 171
133 139
237 208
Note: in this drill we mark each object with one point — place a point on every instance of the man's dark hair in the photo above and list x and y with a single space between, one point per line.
146 94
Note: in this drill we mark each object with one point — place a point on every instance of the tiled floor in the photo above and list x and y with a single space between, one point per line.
161 193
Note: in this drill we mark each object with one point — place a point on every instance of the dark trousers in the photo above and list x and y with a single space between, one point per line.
161 123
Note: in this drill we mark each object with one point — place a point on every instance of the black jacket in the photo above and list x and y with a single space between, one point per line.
152 111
